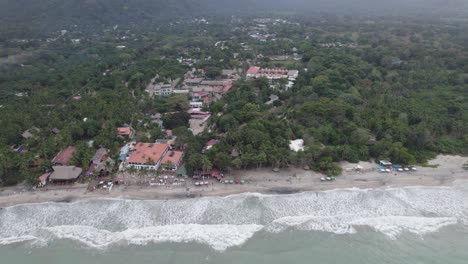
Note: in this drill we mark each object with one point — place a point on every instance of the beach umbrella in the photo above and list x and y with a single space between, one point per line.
237 181
242 181
231 181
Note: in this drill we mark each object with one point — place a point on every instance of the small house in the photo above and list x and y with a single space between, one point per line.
125 132
209 145
43 179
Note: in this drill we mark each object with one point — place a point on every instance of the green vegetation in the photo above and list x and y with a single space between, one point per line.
399 92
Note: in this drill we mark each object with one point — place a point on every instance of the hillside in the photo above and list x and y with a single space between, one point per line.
49 15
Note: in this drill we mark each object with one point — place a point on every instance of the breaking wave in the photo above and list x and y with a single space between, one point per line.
224 222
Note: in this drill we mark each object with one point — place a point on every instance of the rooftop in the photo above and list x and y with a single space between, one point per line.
99 156
65 173
173 156
211 142
143 152
64 156
253 70
124 131
227 88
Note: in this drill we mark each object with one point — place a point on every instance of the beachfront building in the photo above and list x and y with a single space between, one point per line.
43 179
147 156
100 163
65 174
63 158
385 163
172 160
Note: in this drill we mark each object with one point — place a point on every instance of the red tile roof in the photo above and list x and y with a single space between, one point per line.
145 151
124 131
197 112
227 88
175 157
64 156
44 177
253 70
211 143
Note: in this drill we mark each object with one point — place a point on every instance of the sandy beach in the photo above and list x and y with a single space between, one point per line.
290 180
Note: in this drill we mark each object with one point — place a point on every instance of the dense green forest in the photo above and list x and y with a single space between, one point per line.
399 92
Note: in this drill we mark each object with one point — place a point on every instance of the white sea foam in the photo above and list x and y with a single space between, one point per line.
392 226
309 223
15 240
230 221
219 237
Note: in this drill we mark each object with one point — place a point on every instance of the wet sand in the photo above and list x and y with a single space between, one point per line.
286 181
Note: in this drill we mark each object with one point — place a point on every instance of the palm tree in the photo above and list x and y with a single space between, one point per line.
206 164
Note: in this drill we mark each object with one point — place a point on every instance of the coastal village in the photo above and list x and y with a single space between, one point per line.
161 162
146 152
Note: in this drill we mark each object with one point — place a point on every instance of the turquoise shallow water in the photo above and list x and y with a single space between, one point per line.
446 246
400 225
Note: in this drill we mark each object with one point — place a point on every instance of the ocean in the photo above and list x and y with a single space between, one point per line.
393 225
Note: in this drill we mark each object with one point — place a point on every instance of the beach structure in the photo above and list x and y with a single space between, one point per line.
172 160
63 158
100 163
65 174
147 156
385 163
213 173
99 156
43 179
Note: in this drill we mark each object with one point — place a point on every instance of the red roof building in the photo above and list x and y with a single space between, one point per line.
210 144
174 158
148 155
63 158
125 132
43 179
253 70
227 88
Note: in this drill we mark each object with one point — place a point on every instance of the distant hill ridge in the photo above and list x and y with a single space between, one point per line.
53 14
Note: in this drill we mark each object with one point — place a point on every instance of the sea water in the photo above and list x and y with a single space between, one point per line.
399 225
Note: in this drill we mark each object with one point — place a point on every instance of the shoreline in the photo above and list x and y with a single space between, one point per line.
263 181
